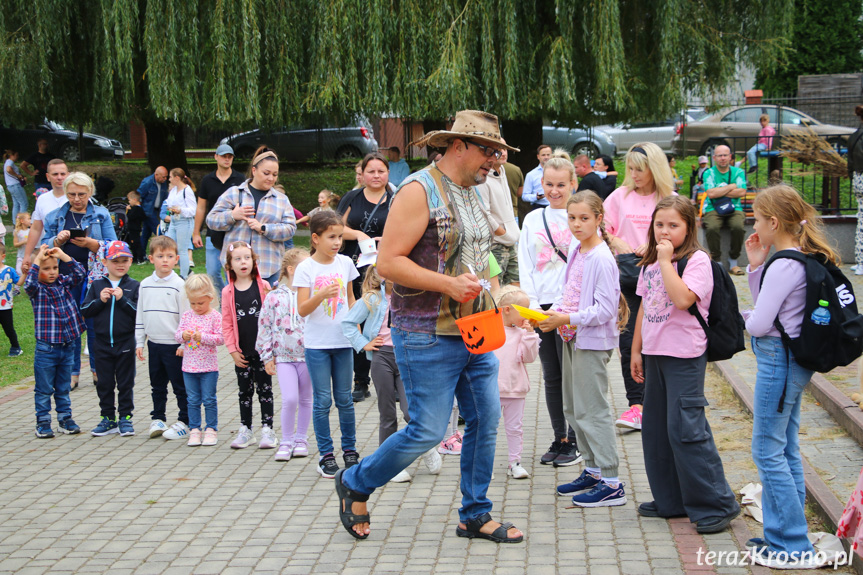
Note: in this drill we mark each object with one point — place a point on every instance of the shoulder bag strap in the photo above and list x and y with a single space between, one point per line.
551 239
371 215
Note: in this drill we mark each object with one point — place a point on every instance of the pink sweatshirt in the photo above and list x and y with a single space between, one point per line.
200 357
229 315
521 347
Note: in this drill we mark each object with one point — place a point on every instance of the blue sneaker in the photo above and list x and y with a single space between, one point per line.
584 482
105 427
125 426
602 495
44 431
69 427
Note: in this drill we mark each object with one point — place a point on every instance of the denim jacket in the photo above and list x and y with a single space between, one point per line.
374 319
97 220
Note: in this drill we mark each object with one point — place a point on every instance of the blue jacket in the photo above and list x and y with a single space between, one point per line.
148 188
374 319
97 219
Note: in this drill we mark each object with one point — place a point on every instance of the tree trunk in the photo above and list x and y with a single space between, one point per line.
527 136
165 144
81 157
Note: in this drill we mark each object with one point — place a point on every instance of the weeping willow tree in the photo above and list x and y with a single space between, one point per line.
240 63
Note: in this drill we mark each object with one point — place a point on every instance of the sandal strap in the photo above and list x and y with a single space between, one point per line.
357 519
477 522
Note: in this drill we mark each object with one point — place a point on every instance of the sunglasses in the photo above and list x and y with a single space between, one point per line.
487 151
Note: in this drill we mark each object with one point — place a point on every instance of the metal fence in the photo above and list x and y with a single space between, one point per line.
831 195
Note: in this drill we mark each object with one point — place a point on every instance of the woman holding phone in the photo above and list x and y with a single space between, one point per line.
80 229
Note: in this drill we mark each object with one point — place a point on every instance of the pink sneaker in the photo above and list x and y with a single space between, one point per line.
194 438
631 419
451 446
211 437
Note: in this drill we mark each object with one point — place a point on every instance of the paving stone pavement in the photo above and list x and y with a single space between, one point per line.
124 505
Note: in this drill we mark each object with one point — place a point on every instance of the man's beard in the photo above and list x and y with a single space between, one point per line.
479 178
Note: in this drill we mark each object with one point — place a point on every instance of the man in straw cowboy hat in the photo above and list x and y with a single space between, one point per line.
435 249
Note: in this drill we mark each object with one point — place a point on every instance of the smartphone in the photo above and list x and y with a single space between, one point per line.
77 233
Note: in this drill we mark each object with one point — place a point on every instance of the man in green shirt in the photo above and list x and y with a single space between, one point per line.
725 185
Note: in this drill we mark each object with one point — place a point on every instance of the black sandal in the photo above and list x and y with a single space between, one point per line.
347 498
499 535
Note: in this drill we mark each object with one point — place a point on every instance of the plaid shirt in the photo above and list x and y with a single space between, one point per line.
57 317
274 211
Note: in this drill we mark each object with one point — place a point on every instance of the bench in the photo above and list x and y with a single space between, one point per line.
774 160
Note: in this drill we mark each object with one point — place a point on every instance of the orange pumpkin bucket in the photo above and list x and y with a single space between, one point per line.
482 332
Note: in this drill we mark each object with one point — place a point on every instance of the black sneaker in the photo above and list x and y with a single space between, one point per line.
69 427
327 466
568 455
351 458
360 392
44 431
15 351
551 454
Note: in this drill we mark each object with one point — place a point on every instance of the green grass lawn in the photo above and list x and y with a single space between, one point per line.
15 369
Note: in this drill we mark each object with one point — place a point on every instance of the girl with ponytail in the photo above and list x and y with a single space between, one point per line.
182 205
784 221
592 304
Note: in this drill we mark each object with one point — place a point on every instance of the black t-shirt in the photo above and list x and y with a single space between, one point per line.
610 184
79 254
135 218
361 209
248 307
592 182
211 189
257 195
39 161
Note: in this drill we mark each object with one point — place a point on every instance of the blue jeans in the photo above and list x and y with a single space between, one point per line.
214 264
201 389
776 447
752 154
180 231
434 369
52 366
338 365
19 200
76 362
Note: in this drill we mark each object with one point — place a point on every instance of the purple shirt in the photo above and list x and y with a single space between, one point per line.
783 293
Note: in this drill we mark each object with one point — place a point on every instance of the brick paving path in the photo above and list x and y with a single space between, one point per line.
134 505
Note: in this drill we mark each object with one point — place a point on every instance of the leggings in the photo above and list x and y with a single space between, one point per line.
389 386
9 326
296 388
247 377
857 188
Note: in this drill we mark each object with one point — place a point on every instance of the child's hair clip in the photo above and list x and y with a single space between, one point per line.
244 245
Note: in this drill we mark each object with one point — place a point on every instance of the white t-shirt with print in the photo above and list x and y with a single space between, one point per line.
324 325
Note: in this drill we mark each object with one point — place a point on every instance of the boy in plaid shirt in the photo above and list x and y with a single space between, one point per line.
58 325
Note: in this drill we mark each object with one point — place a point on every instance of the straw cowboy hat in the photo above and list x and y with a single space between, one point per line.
468 124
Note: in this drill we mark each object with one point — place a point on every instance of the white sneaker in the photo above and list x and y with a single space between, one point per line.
402 477
157 428
301 448
284 452
517 471
244 438
268 438
177 431
433 460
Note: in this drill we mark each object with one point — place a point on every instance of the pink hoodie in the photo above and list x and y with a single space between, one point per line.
229 314
521 347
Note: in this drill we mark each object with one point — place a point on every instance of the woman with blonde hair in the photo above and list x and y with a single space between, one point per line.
628 212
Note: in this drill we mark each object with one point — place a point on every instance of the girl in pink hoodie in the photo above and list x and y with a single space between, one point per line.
521 347
242 300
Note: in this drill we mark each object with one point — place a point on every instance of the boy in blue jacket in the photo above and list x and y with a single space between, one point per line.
112 303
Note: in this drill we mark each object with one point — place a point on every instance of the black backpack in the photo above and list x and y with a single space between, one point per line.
823 347
725 328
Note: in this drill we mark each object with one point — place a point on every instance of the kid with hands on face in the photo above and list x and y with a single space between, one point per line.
591 303
58 325
112 303
242 300
669 355
783 220
521 347
324 294
280 344
199 332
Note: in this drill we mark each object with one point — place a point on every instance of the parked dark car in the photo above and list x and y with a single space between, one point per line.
298 144
62 143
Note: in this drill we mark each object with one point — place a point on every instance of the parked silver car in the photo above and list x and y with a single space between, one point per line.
626 134
577 141
298 144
